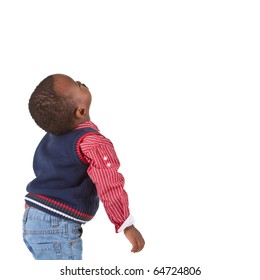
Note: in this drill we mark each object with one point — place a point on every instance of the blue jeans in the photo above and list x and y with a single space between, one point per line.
51 238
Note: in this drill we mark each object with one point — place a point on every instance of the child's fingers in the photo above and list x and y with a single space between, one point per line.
134 248
137 247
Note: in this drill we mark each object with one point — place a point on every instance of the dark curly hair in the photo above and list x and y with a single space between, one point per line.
51 112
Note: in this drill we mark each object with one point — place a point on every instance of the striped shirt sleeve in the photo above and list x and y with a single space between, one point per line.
103 171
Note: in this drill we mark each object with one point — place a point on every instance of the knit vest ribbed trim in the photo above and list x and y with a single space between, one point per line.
56 208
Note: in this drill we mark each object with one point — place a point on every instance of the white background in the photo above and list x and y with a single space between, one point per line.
175 86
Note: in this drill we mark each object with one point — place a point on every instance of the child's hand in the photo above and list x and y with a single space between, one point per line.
135 238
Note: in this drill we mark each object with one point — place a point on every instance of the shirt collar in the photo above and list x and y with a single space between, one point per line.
88 124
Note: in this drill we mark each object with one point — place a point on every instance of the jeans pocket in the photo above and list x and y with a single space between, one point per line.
47 250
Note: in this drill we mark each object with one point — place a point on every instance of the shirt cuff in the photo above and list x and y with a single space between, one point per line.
127 223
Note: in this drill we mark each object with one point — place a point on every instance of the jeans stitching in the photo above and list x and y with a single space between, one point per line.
59 240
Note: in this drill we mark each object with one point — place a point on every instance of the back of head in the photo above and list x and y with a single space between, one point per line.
52 112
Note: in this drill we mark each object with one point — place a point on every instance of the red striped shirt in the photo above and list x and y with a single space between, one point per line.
103 171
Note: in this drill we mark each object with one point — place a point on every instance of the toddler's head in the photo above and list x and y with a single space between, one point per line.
59 103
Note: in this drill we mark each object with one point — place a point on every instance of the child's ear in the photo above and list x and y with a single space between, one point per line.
80 113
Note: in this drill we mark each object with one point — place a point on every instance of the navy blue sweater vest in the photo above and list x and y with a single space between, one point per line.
62 186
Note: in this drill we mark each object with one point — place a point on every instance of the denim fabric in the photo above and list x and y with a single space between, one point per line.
51 238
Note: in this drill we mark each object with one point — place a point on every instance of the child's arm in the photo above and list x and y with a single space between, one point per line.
135 238
103 171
